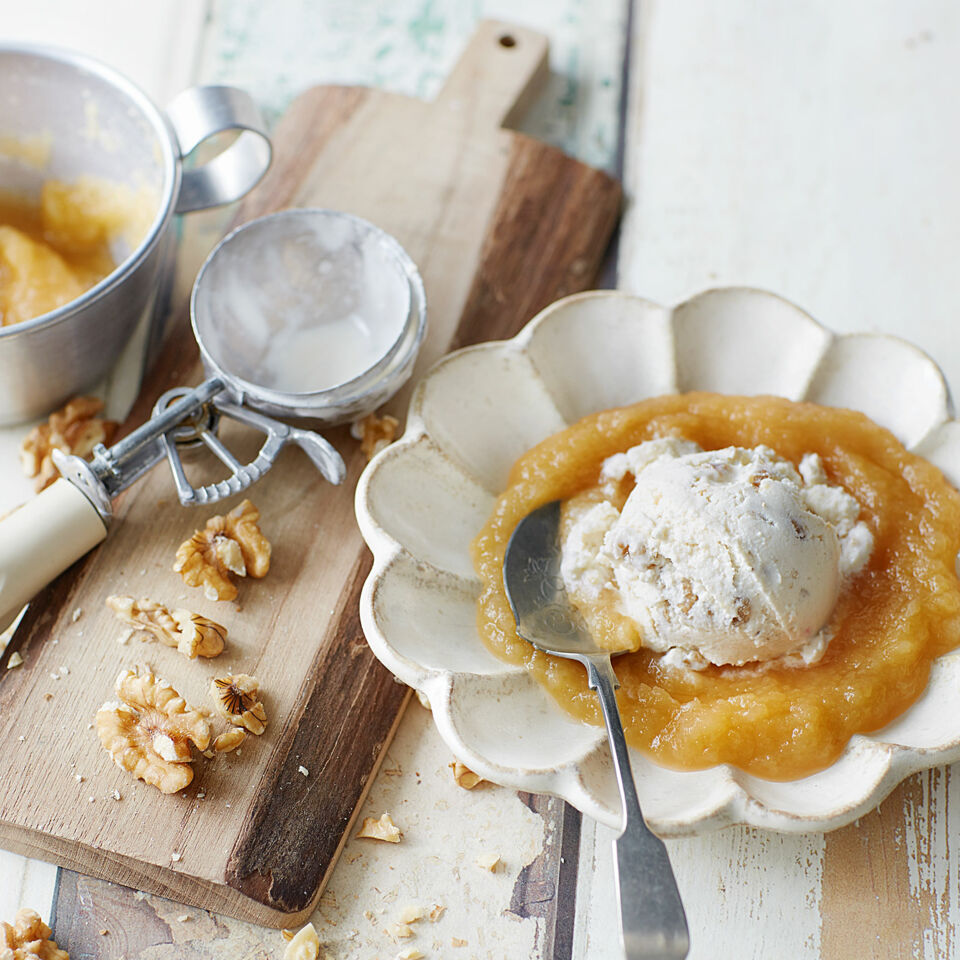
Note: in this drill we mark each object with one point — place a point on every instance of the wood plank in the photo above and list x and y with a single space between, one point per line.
435 176
809 151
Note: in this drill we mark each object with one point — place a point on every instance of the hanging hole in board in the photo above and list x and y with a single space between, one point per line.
506 40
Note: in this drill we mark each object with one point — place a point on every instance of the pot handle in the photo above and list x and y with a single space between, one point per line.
40 539
199 113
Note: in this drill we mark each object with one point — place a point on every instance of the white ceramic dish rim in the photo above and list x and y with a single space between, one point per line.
833 368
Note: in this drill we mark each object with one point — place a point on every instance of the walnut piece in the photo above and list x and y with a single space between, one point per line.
304 945
374 433
193 635
74 428
150 731
489 861
28 938
237 699
229 544
230 740
383 829
464 776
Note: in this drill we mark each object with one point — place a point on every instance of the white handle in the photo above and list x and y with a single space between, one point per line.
41 539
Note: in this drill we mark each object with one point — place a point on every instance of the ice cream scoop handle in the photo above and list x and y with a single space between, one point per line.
652 920
41 539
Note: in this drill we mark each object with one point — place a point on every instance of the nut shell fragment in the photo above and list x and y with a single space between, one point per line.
231 544
28 938
237 699
150 732
383 829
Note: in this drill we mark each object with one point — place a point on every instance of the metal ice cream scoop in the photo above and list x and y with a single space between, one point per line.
304 313
653 922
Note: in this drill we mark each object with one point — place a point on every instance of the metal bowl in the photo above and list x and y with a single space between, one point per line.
63 115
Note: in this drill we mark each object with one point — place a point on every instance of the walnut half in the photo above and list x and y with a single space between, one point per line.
28 938
229 544
75 428
150 731
237 699
192 635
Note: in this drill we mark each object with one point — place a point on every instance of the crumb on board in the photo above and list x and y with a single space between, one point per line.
303 771
437 911
15 660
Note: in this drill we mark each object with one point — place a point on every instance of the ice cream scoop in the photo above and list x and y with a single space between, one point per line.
719 556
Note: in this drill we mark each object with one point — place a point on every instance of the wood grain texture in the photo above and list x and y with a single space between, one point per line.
546 888
252 836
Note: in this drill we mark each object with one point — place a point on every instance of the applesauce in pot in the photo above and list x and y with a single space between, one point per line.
891 620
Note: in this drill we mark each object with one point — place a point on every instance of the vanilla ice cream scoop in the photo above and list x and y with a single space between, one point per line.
722 556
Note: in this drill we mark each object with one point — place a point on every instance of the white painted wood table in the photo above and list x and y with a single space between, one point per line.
806 148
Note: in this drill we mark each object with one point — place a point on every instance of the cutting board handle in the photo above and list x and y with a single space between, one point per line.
498 73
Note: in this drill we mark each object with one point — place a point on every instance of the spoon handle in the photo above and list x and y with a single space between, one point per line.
652 921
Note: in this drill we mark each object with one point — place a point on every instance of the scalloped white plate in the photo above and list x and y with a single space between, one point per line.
422 500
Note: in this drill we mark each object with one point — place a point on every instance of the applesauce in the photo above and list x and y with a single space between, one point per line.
894 617
52 252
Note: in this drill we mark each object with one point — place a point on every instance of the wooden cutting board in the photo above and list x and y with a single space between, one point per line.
500 225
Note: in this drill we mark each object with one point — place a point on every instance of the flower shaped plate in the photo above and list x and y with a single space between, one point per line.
421 501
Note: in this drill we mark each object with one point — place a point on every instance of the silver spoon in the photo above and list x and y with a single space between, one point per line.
653 924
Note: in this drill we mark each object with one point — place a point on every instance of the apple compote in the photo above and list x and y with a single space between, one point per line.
787 717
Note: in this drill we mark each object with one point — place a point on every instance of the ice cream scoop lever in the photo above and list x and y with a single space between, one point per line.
652 918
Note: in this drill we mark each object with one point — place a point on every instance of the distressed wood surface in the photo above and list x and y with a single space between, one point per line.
448 183
807 149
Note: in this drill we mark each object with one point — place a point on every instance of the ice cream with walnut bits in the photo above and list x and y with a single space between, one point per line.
720 557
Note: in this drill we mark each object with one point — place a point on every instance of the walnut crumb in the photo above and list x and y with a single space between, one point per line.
150 731
464 776
116 795
77 614
457 942
489 861
287 935
237 699
104 932
15 660
303 945
374 433
436 912
191 634
230 740
383 829
75 428
232 544
176 857
28 937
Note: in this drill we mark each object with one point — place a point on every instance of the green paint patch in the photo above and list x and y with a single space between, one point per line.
425 25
